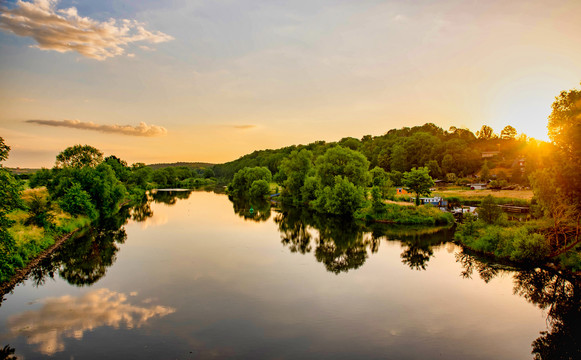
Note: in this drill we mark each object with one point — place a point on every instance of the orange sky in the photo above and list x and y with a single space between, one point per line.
212 80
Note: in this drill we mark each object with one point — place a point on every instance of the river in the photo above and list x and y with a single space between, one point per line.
193 275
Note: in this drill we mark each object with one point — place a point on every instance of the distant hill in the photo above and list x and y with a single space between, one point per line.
192 165
20 171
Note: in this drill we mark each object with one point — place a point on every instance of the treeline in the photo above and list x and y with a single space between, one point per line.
450 155
82 188
337 183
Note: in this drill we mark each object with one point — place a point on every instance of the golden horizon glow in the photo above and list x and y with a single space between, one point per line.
210 82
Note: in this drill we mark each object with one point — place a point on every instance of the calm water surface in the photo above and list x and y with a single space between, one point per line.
196 276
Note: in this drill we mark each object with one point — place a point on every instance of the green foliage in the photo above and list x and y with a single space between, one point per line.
435 170
4 150
418 181
382 180
343 198
517 242
119 166
208 173
77 201
377 203
489 211
10 200
40 178
339 161
259 189
485 172
565 124
310 189
40 211
296 167
405 215
79 156
243 180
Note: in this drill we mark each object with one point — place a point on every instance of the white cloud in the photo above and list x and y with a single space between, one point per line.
68 316
140 130
65 30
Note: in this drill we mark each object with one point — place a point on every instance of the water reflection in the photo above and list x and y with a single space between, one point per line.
69 317
342 245
550 290
83 261
169 197
253 210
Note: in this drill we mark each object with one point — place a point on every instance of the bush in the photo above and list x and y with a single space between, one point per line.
344 198
489 211
77 201
259 189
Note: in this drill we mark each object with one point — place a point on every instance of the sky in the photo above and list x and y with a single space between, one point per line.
188 80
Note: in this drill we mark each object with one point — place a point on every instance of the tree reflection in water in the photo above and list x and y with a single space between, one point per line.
169 197
344 244
557 293
253 210
84 260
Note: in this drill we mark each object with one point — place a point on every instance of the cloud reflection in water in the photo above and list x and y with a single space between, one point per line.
69 316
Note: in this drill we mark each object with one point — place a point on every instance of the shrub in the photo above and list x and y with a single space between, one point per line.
77 201
259 189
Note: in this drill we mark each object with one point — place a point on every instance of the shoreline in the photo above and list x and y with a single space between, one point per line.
22 274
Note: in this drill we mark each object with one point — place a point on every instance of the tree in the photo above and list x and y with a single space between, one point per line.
381 180
565 124
485 172
489 211
339 161
434 168
343 198
244 178
77 201
296 167
259 189
4 150
79 156
508 133
398 160
419 181
486 133
10 189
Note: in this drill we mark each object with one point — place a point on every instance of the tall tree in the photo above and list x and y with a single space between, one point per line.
508 133
79 156
565 124
419 181
486 133
339 161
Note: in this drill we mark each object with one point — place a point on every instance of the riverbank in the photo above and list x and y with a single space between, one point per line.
22 273
393 213
519 243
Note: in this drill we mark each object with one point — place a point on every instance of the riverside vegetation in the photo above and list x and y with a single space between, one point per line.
350 178
83 188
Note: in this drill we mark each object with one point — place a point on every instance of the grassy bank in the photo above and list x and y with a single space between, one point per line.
405 215
522 243
29 239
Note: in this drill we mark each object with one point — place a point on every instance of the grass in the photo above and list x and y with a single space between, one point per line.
407 215
480 194
30 240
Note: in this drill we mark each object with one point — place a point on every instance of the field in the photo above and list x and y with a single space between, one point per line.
479 194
